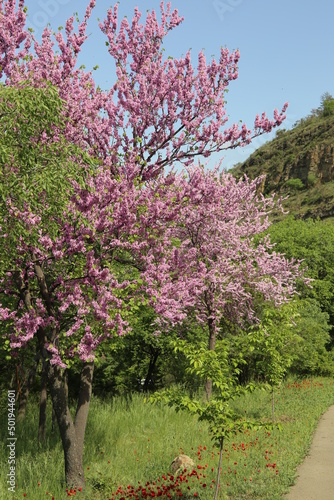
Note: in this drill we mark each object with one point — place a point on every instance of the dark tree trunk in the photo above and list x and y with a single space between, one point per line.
42 407
151 368
72 434
219 467
212 345
85 393
26 389
273 404
54 418
74 474
12 381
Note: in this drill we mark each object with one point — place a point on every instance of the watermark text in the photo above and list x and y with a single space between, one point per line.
11 441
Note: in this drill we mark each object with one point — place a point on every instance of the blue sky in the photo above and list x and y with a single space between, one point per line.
286 47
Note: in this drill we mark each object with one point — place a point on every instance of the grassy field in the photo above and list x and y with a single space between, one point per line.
130 445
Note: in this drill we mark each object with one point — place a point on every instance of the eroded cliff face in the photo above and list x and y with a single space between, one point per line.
318 161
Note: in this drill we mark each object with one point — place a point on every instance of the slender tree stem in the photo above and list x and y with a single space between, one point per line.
42 407
219 466
273 405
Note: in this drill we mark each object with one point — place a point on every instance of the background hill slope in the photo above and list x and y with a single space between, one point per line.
299 163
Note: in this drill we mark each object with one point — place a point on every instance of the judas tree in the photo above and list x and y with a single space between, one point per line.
217 257
83 248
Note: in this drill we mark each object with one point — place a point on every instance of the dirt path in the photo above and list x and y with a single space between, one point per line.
315 479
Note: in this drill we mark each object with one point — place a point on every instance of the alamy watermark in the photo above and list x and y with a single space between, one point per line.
11 441
47 10
223 7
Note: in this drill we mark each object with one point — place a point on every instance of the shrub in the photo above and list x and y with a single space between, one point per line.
295 184
311 179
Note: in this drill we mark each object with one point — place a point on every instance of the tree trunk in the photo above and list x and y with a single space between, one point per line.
219 467
12 381
65 378
74 473
42 407
72 434
26 389
212 345
273 404
153 361
85 393
54 418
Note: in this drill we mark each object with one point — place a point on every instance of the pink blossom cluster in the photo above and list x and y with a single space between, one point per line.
217 267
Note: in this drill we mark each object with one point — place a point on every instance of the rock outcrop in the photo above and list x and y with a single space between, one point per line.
180 463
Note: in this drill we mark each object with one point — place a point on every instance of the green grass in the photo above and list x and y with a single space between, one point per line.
128 441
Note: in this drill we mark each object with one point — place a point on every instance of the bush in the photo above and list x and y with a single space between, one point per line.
295 184
311 179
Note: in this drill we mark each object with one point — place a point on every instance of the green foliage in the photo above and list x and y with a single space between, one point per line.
280 132
273 343
217 366
295 184
311 179
223 370
313 242
142 360
36 164
138 356
326 107
311 355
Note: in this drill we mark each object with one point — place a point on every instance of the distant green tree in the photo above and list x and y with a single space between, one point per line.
313 242
272 344
311 356
326 107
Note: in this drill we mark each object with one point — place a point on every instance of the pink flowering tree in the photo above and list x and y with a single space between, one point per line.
88 217
216 256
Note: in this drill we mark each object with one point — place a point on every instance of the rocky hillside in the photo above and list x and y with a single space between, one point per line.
299 163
